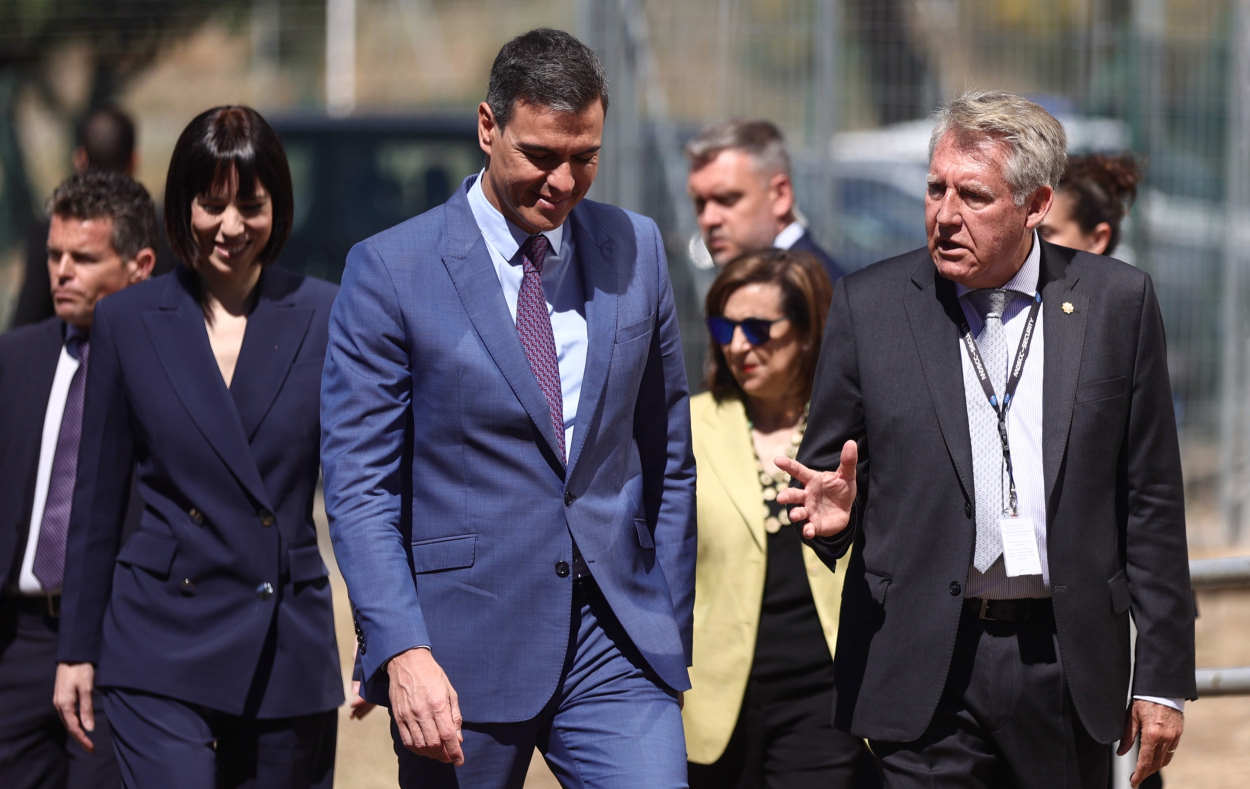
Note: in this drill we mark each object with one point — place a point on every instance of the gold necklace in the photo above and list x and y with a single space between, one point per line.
773 483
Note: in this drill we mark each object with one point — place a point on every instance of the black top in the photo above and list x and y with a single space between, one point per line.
790 644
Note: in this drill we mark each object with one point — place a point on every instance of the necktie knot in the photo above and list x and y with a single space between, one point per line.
989 302
76 345
534 251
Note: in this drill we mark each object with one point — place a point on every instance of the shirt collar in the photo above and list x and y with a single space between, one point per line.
500 234
788 236
1025 280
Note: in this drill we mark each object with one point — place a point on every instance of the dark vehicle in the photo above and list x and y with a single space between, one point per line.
356 176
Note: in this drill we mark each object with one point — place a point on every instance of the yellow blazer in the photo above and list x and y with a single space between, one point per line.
729 575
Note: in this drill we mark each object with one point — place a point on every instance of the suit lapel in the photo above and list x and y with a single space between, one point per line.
601 280
1064 311
176 330
469 265
732 462
933 314
275 331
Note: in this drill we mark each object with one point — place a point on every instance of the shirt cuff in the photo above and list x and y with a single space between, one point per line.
1176 704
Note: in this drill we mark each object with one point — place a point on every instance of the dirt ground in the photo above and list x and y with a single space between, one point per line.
1214 752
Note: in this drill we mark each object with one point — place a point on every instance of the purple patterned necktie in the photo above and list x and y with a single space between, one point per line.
533 324
49 564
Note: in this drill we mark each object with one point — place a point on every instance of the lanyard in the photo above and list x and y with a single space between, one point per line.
1013 380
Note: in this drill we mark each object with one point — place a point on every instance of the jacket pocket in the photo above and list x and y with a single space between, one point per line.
634 330
1118 586
1102 390
645 538
306 564
877 586
152 551
444 553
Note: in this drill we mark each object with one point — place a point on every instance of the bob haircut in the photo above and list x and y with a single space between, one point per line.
806 293
217 144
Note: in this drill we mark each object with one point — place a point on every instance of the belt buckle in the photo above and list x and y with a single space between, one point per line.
983 611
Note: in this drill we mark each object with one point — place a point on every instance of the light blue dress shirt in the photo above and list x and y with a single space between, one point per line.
562 285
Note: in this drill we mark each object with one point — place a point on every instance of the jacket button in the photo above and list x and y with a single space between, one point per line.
266 517
187 586
195 515
955 589
967 509
562 569
569 498
264 591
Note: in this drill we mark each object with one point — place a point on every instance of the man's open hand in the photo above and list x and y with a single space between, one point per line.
425 706
826 497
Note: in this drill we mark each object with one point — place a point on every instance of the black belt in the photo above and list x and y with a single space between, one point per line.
42 604
1015 611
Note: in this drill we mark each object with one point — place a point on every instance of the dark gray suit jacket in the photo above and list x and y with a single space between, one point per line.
890 376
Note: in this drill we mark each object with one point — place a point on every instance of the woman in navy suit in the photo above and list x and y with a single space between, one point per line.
209 630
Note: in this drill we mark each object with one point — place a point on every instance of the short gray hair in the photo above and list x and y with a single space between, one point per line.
760 139
1037 148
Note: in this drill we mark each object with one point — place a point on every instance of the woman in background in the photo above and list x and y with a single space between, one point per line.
759 713
209 629
1094 195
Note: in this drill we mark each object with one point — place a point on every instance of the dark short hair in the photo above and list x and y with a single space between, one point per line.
760 139
107 137
806 293
216 143
546 68
105 194
1102 188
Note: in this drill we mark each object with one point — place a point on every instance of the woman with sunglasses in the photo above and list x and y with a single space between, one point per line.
766 609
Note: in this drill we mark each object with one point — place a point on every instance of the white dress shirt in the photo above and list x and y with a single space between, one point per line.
1024 432
788 235
562 286
66 365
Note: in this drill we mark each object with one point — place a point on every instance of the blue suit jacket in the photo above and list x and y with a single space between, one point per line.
221 588
449 505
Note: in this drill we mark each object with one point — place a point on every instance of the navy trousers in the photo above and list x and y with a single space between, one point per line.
35 751
162 741
610 725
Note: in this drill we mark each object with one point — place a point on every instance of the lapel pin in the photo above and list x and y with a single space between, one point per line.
1067 308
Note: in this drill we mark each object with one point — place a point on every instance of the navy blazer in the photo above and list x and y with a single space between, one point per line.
220 597
28 359
452 513
805 243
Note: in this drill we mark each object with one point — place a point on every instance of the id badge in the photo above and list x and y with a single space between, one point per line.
1020 554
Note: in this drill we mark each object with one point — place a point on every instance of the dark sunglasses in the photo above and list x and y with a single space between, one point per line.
757 331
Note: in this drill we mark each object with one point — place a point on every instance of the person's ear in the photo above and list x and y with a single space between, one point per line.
487 128
140 266
1100 238
1038 205
781 197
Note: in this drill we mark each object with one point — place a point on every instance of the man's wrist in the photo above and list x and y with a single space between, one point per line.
1176 704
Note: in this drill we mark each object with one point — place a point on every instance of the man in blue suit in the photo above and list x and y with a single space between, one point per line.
506 447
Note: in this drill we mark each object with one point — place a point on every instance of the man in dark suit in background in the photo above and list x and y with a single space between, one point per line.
743 196
1002 410
508 470
101 239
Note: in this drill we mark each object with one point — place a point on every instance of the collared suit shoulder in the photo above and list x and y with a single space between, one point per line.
890 377
805 243
222 581
450 508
